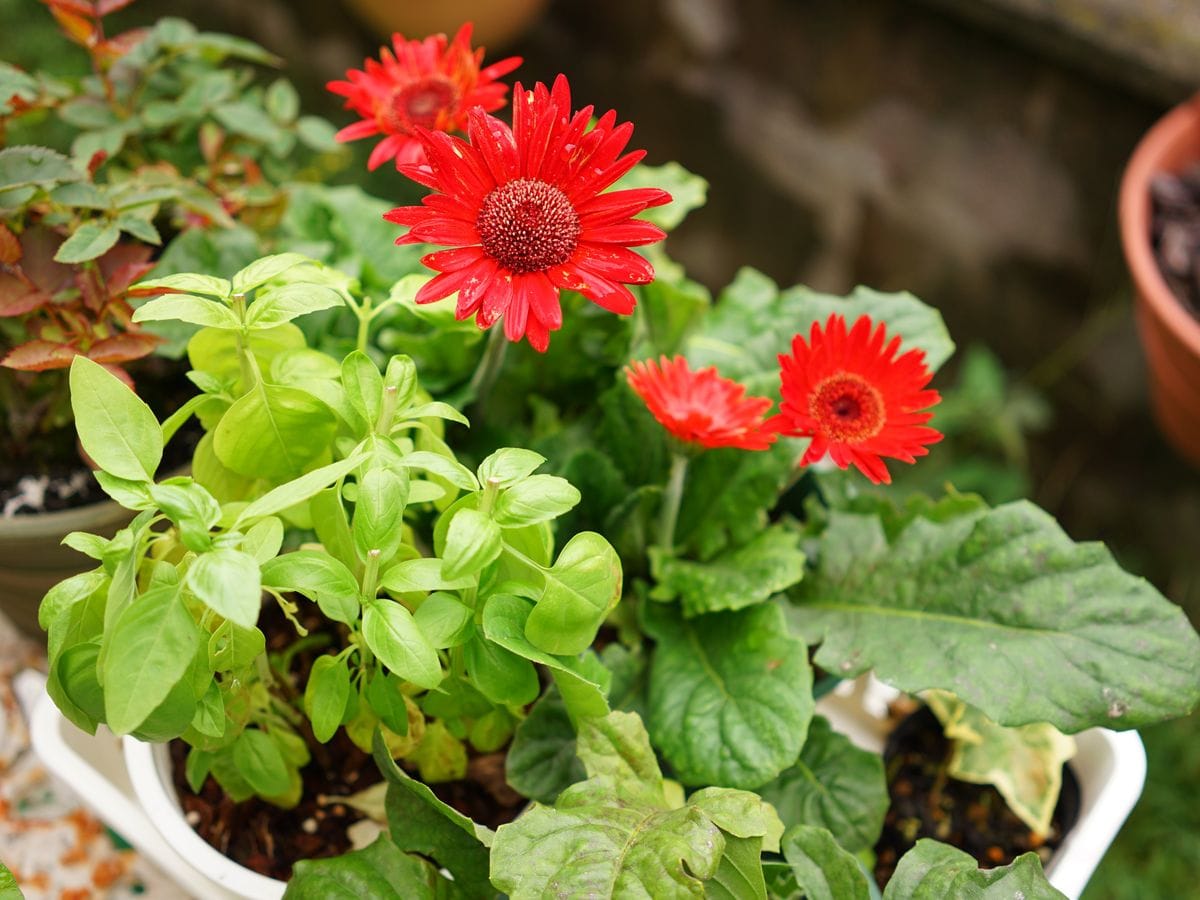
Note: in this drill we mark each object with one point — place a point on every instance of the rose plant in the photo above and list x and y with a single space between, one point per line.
616 577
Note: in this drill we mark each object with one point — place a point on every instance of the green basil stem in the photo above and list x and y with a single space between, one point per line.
364 314
387 410
672 498
489 365
370 582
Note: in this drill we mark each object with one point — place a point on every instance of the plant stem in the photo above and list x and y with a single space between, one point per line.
489 365
365 316
672 498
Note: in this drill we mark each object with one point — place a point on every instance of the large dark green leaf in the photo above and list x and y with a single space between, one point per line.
617 834
1004 610
378 872
823 870
730 694
932 870
421 823
835 785
735 579
541 762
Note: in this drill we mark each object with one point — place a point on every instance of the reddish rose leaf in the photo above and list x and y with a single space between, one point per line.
122 348
10 247
17 297
104 7
77 28
38 356
83 7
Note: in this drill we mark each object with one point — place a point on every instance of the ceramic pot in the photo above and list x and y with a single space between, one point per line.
33 559
497 22
1170 334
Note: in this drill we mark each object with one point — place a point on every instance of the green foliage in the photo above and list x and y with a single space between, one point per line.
931 869
730 695
1054 631
378 871
822 868
618 833
833 785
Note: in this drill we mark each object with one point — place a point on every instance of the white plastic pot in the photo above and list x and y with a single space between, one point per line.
1110 767
132 791
149 768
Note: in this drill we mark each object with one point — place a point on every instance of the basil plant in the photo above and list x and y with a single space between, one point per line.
427 593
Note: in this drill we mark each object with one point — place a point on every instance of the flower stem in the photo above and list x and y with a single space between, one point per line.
489 366
672 498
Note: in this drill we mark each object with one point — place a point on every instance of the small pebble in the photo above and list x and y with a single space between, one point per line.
309 825
192 817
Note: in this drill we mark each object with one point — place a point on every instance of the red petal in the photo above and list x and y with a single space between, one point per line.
600 290
543 300
493 141
496 299
614 262
442 285
444 231
471 294
633 233
365 128
453 260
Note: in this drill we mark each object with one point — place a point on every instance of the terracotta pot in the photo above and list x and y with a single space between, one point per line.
1169 333
33 559
496 21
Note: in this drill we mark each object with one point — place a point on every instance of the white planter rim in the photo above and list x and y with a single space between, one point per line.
149 768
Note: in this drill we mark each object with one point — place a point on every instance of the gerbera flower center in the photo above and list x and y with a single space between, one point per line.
848 408
528 225
418 103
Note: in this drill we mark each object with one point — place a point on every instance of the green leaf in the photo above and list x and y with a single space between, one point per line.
393 636
274 432
116 428
191 508
263 270
1042 629
298 490
264 539
319 577
740 873
149 649
282 304
317 134
445 620
326 694
1025 764
380 871
933 870
499 674
87 242
541 761
142 229
753 322
420 823
379 512
618 834
364 385
281 101
505 623
187 308
538 498
233 647
385 693
188 283
508 465
730 695
472 542
21 166
687 191
425 574
583 585
834 785
227 582
735 579
261 763
823 870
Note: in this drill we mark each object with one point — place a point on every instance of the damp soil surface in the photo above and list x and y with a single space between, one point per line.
271 840
973 817
1176 233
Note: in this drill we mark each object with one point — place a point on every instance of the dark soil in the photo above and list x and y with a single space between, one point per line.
48 475
271 840
972 817
1176 233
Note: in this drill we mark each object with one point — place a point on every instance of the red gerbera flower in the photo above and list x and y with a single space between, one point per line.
425 84
523 212
855 399
701 407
